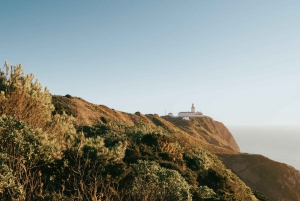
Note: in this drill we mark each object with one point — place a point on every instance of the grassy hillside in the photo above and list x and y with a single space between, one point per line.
208 130
152 138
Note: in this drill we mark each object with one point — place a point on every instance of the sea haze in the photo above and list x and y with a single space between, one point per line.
281 144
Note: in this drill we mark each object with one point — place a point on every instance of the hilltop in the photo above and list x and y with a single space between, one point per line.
211 135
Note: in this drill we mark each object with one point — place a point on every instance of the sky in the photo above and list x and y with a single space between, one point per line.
237 61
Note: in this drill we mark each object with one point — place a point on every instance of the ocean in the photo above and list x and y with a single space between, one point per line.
281 144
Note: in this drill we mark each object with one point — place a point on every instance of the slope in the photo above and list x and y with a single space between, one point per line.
88 114
208 130
277 181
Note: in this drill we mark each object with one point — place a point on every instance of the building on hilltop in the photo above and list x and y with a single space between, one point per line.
187 115
170 114
192 113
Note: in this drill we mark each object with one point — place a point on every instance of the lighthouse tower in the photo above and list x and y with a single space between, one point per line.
193 108
192 113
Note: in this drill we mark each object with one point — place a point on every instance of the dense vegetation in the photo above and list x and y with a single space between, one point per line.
44 155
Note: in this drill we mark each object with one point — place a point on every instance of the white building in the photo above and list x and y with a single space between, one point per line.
192 113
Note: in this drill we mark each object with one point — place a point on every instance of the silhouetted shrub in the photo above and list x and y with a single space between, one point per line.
68 96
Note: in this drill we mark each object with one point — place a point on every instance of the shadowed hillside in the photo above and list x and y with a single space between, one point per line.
276 180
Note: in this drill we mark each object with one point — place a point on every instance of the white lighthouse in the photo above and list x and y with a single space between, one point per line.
192 113
193 108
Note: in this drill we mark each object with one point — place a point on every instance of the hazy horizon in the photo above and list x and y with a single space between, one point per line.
237 61
279 143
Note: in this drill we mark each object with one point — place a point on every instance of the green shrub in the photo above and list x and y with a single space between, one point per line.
61 105
10 188
22 154
153 182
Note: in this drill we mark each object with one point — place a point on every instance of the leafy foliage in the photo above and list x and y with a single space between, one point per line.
153 182
23 98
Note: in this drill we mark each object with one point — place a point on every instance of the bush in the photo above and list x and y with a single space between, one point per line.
105 119
23 98
153 182
68 96
22 154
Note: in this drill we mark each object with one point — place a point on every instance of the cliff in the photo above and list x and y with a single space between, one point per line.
226 135
208 130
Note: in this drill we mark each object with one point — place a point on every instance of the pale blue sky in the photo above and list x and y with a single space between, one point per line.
238 61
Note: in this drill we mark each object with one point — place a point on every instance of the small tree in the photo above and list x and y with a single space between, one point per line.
23 98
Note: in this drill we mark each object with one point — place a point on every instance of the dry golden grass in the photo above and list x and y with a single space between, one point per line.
91 114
